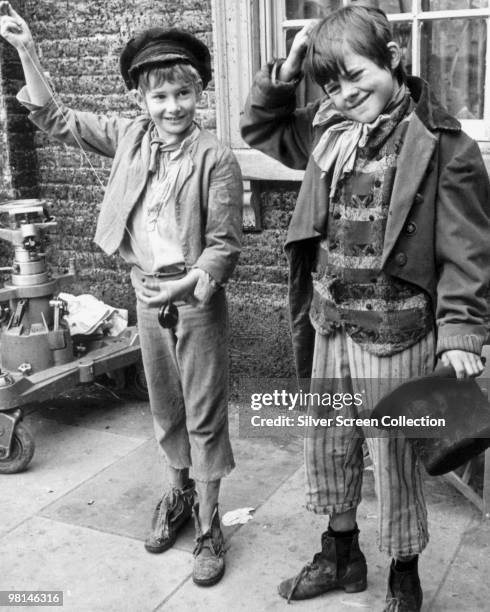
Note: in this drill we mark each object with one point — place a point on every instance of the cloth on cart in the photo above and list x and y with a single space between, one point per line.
87 315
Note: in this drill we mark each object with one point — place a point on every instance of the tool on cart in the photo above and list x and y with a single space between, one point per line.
37 354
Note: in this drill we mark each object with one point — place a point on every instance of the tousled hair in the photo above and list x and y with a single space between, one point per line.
365 30
155 75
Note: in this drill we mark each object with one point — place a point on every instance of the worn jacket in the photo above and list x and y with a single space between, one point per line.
438 229
208 192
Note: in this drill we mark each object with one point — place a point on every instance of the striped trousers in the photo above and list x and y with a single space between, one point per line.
334 455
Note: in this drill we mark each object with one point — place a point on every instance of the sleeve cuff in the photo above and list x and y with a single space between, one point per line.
276 67
471 343
24 97
272 93
205 287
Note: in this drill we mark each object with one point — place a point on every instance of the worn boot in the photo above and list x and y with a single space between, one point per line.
339 565
209 552
404 591
171 514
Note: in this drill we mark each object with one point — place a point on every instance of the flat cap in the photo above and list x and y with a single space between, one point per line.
158 46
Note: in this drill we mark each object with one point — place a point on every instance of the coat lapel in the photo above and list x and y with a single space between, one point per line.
185 170
414 157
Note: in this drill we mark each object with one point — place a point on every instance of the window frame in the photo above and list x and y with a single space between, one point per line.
239 42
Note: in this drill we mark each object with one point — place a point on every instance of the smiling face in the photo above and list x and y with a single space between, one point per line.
363 89
172 106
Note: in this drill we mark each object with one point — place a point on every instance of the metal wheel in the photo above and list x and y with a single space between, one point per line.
136 381
21 452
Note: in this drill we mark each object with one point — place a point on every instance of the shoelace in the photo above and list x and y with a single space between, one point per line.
303 572
395 604
167 505
206 541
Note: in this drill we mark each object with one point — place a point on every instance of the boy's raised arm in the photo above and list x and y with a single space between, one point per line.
16 31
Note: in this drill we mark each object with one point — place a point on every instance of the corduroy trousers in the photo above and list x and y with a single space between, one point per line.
187 374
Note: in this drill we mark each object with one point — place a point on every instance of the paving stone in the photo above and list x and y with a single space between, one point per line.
275 545
465 584
65 457
101 410
283 537
125 494
97 572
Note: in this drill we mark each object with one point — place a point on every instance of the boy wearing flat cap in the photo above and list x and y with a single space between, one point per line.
172 208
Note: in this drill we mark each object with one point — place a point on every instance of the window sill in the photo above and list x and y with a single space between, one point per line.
259 167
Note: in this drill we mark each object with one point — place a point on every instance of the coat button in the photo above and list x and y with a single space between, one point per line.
410 228
419 198
401 259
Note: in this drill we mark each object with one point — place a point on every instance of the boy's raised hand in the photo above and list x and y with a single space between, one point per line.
13 28
291 68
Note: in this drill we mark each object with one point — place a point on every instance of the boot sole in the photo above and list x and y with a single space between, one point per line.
155 550
209 581
353 587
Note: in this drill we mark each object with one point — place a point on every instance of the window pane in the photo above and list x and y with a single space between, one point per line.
452 59
448 5
402 34
388 6
299 9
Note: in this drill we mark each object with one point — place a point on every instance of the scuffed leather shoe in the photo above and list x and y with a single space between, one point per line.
209 552
337 566
171 514
404 590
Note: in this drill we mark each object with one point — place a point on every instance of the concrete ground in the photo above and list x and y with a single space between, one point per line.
76 521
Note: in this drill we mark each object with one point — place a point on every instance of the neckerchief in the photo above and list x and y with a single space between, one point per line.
159 145
338 145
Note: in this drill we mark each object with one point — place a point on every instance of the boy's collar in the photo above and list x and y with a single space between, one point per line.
158 144
428 108
326 113
155 139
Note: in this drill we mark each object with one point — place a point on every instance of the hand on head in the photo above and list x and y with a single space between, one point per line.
292 66
13 28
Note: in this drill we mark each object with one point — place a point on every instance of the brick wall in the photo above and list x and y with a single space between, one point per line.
261 342
79 44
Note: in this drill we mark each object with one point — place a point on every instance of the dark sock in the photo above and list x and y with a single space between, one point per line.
342 534
343 544
406 566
